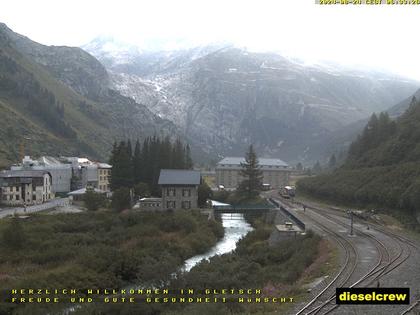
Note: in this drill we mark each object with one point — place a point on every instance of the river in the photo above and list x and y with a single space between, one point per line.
235 227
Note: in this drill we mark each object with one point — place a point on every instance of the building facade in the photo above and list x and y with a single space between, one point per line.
104 176
276 173
150 204
61 173
179 188
21 187
70 173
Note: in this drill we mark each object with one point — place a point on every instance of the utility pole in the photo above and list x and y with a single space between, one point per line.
351 222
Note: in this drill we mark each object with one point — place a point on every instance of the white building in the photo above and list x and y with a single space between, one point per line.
276 172
70 173
61 173
20 187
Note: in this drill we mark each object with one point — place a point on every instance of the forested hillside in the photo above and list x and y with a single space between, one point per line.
56 101
382 167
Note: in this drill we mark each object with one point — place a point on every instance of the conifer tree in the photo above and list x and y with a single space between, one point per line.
137 165
332 162
251 184
122 168
188 160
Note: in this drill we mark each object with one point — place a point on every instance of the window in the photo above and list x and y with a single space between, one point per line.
17 197
170 204
186 193
33 197
186 205
170 192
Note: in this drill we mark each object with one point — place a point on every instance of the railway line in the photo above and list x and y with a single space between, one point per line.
391 254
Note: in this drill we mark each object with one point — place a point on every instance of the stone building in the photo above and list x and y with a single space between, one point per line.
276 173
179 188
20 187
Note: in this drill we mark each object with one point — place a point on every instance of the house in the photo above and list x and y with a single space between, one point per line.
25 187
179 188
275 172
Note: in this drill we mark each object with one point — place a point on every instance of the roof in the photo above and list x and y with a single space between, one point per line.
103 165
262 161
22 173
151 199
179 177
218 203
82 191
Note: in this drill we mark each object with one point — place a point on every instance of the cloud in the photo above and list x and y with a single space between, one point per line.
376 36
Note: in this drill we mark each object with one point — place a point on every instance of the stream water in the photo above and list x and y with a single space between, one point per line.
235 227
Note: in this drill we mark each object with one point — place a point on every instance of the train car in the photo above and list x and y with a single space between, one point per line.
266 187
287 192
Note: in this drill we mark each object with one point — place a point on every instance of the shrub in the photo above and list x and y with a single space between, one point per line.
93 201
121 199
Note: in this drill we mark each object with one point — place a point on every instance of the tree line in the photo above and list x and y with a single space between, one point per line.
382 169
134 167
15 81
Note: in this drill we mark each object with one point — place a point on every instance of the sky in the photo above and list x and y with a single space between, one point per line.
382 37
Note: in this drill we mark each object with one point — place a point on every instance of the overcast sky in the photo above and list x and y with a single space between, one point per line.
384 37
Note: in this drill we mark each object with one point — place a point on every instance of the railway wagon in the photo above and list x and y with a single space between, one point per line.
287 192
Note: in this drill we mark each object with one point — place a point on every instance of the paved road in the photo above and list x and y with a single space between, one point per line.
4 212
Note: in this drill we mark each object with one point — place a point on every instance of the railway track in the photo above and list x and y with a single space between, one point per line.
387 262
378 271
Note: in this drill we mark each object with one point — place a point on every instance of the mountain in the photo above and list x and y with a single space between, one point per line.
58 100
401 107
382 167
226 98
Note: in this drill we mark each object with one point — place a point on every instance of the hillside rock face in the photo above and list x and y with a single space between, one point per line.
225 98
71 65
63 98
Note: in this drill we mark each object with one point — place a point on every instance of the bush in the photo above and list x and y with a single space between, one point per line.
121 199
204 193
13 236
93 201
142 190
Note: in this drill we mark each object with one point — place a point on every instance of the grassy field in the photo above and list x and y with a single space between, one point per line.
98 249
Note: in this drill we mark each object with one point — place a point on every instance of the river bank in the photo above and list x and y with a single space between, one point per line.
98 250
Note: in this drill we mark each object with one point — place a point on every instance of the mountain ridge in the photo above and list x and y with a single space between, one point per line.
228 97
57 90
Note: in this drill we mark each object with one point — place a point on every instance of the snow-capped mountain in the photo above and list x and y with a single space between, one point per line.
226 98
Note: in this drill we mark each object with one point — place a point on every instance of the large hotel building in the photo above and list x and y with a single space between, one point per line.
275 172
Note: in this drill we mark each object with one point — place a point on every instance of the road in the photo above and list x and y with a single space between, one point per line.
4 212
369 257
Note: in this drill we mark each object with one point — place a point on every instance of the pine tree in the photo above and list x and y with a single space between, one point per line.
137 165
251 184
317 168
178 155
188 160
122 167
332 162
